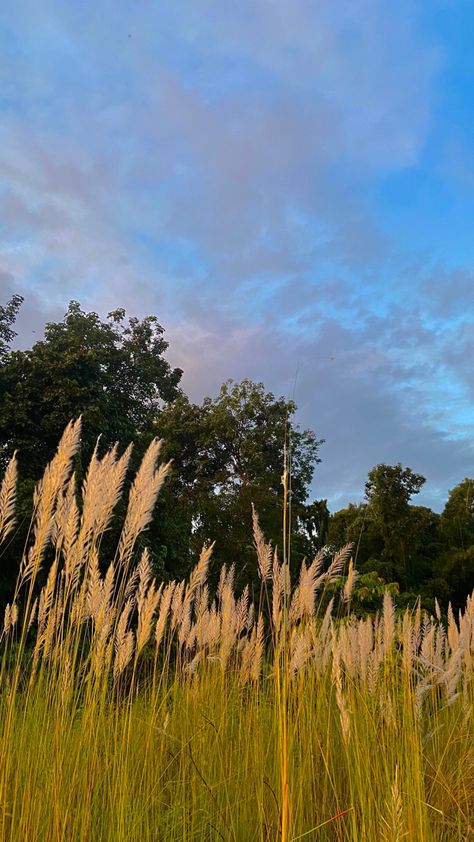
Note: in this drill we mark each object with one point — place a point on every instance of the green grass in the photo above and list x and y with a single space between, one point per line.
229 727
198 759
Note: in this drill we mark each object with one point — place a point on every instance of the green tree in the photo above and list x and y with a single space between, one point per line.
228 454
354 524
423 545
366 596
455 565
8 314
113 373
388 491
457 518
456 570
312 526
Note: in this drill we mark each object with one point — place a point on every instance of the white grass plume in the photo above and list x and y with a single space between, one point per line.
142 499
45 497
7 498
264 551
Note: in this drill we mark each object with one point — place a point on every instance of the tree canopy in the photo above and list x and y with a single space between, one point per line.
8 314
457 518
112 373
228 455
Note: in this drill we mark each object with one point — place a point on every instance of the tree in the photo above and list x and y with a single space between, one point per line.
456 561
312 526
228 454
8 314
457 518
456 570
388 491
113 373
422 548
366 597
354 525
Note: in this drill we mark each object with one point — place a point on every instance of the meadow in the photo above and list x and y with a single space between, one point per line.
137 710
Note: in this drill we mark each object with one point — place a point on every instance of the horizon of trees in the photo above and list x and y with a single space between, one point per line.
227 455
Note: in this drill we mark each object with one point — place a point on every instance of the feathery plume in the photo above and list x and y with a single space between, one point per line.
144 572
302 603
453 631
408 643
123 642
123 654
338 563
300 652
392 828
164 611
242 612
101 492
264 551
388 623
7 498
177 605
199 573
228 625
67 524
45 498
146 611
141 503
222 581
350 581
337 679
32 616
11 617
277 590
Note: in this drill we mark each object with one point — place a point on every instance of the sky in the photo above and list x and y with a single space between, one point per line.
288 185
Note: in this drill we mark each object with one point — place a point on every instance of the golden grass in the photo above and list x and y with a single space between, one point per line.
137 710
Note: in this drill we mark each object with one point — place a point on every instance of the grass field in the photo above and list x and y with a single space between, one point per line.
131 710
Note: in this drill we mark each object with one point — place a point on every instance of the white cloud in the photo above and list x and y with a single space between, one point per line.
215 163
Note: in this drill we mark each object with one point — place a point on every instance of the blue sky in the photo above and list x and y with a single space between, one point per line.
288 185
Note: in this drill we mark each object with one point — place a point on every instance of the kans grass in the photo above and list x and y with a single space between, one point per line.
132 710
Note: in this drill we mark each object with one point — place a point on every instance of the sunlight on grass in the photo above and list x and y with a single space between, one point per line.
131 710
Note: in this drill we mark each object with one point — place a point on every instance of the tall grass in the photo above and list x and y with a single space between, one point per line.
133 710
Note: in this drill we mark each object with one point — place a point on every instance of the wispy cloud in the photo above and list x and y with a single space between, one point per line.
236 168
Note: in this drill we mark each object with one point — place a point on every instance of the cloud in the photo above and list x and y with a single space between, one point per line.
349 382
118 135
219 164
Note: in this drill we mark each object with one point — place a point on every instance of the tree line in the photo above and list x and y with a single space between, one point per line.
228 454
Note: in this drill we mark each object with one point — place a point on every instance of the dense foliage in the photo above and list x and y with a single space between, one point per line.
227 452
